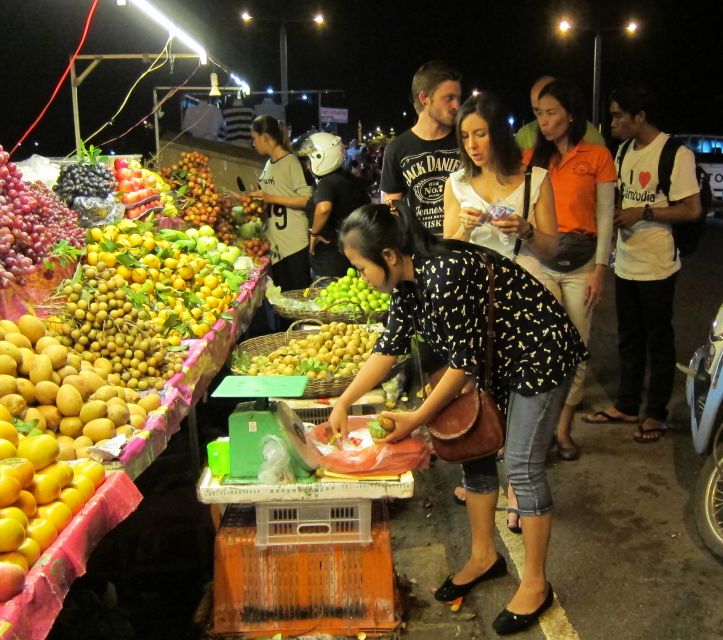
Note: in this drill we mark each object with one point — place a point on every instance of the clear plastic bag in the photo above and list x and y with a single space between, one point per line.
39 168
97 212
363 456
276 467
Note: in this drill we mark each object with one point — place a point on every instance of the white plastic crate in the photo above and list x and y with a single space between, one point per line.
324 522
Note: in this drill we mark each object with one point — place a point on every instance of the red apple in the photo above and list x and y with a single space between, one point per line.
120 163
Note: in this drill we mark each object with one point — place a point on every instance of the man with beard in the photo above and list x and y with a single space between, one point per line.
417 163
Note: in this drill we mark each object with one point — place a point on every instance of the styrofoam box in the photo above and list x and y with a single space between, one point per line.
209 490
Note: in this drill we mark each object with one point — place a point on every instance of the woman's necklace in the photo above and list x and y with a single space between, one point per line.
277 153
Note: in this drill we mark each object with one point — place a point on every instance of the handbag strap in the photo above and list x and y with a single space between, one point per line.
489 346
525 207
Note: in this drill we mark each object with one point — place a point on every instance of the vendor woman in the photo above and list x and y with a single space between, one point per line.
285 192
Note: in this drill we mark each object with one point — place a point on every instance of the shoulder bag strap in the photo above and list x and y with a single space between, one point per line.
489 343
525 208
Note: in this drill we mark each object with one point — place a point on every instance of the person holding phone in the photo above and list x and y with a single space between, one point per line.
484 200
285 192
484 204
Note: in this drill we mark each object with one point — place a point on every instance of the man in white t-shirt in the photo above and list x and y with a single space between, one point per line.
646 262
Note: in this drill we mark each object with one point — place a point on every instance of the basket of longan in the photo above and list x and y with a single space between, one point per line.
329 356
347 299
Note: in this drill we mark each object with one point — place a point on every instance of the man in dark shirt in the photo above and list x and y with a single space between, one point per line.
337 194
417 163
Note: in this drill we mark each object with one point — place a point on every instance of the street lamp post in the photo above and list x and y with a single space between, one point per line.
596 64
564 26
283 47
284 65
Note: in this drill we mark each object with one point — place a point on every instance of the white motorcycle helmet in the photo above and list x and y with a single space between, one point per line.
325 152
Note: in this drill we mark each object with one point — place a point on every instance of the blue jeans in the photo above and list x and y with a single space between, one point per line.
531 425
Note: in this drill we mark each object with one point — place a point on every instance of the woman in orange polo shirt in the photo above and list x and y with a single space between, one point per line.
583 182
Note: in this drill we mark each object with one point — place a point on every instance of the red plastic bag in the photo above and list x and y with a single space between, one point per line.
409 454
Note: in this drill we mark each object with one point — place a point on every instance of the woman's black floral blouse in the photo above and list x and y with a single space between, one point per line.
536 345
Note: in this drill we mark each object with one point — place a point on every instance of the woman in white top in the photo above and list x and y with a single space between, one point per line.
285 192
484 202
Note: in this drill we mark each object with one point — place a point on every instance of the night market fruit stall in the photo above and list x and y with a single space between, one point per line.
118 305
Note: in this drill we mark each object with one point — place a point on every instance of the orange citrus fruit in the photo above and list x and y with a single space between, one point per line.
12 534
56 512
26 503
42 531
10 489
30 550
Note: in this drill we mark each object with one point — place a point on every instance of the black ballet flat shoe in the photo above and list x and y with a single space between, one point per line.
508 623
449 591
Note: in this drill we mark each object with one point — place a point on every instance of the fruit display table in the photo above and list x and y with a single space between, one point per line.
205 358
31 614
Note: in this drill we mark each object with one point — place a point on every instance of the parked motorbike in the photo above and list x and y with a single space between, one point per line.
704 391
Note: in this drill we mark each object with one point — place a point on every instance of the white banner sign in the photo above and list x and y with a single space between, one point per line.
329 114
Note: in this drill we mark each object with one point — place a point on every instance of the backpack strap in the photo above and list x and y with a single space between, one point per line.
665 165
525 207
621 155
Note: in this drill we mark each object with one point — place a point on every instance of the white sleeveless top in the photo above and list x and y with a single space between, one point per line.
487 235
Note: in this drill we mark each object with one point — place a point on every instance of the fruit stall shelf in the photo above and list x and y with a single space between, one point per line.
182 392
30 614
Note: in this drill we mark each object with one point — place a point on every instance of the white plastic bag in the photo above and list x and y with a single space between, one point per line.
276 467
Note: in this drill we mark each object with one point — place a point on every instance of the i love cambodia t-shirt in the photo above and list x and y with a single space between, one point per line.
646 250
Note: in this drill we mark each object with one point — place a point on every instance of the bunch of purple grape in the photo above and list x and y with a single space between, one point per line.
32 221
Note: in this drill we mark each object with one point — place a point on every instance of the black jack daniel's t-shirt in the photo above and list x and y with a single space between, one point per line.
418 169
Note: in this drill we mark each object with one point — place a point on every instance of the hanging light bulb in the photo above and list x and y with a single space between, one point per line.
215 92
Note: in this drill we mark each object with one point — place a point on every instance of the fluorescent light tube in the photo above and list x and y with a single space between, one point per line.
173 29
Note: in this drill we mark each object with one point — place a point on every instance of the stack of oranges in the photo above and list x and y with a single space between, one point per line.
39 495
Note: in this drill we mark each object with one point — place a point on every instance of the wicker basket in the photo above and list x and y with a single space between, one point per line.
264 345
324 315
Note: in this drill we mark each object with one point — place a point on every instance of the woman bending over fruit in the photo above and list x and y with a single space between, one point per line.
442 287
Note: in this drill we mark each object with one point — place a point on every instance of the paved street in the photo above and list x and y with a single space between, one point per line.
625 560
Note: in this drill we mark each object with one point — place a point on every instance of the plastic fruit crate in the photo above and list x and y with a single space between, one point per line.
339 589
324 522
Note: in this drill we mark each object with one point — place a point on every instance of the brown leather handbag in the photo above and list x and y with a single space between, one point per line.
470 426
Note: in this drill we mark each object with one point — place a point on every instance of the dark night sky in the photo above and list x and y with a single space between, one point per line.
369 48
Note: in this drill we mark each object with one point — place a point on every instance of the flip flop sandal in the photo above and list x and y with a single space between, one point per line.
648 436
608 419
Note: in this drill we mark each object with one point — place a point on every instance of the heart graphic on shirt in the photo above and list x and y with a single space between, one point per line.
644 178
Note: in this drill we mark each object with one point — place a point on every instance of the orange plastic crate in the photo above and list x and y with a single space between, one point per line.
298 589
